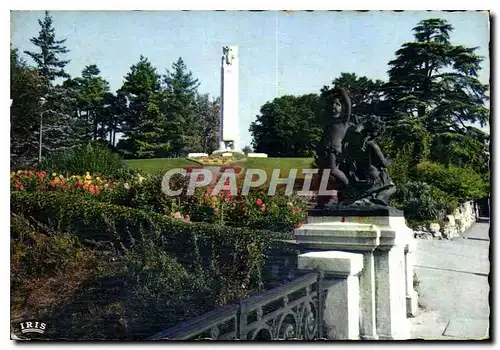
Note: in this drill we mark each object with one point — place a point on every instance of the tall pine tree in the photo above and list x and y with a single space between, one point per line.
26 89
437 81
184 125
60 128
435 92
209 112
143 124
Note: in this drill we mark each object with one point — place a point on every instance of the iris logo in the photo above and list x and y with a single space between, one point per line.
32 327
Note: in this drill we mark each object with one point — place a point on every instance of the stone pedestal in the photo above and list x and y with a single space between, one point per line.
342 303
381 235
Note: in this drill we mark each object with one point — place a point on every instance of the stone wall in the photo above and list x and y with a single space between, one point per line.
452 226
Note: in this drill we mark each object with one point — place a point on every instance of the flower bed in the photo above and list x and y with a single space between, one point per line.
214 160
30 180
256 210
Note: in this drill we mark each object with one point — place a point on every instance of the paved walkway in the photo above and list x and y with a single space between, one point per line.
454 288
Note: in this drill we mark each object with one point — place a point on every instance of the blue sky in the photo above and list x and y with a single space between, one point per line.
279 53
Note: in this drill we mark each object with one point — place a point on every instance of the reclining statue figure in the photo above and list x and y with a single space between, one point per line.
365 166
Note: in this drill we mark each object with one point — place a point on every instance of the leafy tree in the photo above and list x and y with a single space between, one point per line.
287 127
184 125
114 112
90 91
460 150
437 81
366 94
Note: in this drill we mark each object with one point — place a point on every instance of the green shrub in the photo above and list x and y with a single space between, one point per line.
421 201
85 293
278 213
462 183
92 157
148 195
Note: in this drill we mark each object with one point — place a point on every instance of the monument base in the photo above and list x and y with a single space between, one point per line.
228 152
381 235
257 155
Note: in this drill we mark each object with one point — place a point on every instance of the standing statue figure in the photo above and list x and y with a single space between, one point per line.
226 55
366 166
337 115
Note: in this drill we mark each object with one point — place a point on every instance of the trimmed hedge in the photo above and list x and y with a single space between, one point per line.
227 253
85 293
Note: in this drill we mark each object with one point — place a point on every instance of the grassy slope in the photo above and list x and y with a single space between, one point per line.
268 164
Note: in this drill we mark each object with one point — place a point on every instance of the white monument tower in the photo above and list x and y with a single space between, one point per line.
229 131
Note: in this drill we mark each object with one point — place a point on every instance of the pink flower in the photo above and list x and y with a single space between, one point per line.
187 218
263 208
259 202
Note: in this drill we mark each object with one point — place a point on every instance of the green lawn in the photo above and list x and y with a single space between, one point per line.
285 164
155 165
150 166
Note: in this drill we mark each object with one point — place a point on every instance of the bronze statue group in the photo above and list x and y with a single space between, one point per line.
350 150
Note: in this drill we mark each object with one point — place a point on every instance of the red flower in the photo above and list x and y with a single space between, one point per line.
259 202
187 218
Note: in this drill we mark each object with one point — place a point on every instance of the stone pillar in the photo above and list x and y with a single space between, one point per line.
390 290
353 237
341 309
411 294
382 236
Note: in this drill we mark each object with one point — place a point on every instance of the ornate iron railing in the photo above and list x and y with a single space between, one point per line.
291 311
